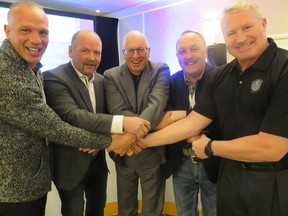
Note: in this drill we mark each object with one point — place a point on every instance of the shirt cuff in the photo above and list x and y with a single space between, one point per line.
117 124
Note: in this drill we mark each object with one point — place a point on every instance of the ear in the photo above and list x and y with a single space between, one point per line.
264 23
7 30
148 52
70 51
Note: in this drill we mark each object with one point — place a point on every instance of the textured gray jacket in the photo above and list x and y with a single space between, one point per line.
25 122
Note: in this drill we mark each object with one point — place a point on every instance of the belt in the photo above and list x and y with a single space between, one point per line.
189 154
267 166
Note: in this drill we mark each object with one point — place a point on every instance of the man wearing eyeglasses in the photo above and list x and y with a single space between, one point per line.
139 88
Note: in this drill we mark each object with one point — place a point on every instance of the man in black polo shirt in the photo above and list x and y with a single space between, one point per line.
249 97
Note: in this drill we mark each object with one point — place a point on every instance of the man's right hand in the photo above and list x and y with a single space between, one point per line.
121 143
137 126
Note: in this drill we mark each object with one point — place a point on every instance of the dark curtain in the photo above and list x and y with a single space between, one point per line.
106 28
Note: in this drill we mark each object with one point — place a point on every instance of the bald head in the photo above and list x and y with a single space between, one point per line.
19 6
85 33
27 31
133 36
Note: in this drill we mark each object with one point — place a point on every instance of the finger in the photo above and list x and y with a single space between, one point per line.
144 131
141 144
87 150
92 151
136 149
147 125
129 152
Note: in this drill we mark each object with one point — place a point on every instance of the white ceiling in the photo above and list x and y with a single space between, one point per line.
110 8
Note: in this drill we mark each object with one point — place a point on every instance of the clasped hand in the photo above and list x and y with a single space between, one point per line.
198 145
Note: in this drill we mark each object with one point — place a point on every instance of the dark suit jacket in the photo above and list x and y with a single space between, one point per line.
179 100
69 97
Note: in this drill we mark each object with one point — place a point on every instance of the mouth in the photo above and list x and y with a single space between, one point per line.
90 65
136 62
190 63
245 46
33 50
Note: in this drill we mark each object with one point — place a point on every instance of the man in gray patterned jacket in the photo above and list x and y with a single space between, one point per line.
25 119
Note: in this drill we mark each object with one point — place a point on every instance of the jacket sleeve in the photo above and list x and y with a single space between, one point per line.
71 104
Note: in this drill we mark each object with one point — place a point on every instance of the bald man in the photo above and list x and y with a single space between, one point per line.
139 88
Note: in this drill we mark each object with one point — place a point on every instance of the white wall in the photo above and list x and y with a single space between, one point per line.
163 26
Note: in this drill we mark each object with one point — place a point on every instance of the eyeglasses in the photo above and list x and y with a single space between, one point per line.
130 52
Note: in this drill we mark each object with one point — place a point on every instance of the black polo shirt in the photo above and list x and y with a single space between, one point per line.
248 102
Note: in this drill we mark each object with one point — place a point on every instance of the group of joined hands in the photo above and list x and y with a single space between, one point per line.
132 141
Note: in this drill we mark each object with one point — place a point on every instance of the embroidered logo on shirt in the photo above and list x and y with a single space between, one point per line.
256 85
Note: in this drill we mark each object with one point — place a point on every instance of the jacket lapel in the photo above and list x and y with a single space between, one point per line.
83 91
127 84
143 85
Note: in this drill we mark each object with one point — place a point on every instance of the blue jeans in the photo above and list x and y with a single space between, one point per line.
187 181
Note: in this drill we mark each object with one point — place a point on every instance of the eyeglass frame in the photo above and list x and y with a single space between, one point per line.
132 51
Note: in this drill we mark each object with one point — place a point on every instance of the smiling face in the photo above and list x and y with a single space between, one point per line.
191 53
85 52
137 61
245 35
27 31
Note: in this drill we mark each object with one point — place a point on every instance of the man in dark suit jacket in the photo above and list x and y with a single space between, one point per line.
76 92
190 174
139 88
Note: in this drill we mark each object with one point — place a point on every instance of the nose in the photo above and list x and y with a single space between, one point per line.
135 53
36 38
92 56
240 36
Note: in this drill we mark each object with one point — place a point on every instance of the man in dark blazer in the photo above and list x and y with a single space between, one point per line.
139 88
189 174
76 92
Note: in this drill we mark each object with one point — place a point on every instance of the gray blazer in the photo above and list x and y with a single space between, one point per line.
151 98
25 122
67 95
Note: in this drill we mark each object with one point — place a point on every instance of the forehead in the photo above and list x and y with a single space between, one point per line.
88 39
135 41
239 18
189 39
29 16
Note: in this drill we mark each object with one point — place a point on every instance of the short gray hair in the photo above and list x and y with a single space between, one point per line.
243 5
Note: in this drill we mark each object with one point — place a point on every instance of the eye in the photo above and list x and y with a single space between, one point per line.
141 50
98 53
130 51
230 33
25 30
44 33
248 27
182 52
194 49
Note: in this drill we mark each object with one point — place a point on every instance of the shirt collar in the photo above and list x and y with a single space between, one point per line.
187 81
